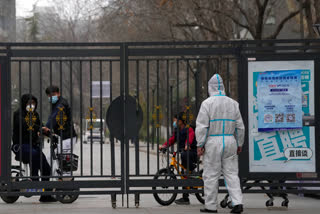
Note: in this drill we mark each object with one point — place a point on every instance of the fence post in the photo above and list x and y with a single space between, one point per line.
5 118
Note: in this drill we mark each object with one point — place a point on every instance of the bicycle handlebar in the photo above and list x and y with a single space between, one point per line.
164 151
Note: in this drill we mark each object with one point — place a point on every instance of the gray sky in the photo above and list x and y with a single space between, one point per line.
23 7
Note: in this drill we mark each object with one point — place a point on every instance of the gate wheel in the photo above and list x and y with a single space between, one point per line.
137 200
113 201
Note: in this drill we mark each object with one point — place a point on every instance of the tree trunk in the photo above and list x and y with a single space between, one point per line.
317 11
308 11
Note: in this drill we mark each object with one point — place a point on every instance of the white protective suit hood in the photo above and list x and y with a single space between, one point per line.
215 85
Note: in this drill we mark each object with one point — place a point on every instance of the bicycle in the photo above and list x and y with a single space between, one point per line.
168 174
68 162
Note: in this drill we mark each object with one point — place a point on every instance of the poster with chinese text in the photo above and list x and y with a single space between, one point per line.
287 150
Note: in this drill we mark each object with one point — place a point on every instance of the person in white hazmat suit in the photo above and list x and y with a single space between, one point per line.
220 136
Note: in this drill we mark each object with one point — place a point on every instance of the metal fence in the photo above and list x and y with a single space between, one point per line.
157 80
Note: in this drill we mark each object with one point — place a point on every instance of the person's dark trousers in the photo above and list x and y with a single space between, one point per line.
192 164
185 195
37 155
192 159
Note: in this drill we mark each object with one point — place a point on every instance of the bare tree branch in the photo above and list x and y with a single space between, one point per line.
259 24
316 5
242 11
201 26
282 23
258 4
236 21
265 3
309 19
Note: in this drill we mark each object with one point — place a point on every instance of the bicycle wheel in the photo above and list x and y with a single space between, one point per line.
200 196
165 199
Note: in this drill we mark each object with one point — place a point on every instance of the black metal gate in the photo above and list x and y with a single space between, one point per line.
148 84
77 70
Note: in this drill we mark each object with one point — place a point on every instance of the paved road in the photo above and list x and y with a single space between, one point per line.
101 204
254 203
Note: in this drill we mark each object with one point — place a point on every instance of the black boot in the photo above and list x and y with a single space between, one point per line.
208 211
47 198
182 201
237 209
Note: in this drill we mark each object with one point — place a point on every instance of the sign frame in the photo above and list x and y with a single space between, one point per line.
244 104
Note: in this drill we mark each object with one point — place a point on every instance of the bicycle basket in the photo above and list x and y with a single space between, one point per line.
69 162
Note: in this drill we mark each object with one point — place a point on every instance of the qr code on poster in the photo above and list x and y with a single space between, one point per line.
279 118
268 118
291 118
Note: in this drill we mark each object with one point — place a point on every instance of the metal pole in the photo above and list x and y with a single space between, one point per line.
171 105
197 88
152 146
171 111
136 139
148 121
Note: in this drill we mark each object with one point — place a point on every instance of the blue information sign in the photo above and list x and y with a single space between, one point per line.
279 100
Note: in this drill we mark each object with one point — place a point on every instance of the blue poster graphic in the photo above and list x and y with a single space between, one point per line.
280 100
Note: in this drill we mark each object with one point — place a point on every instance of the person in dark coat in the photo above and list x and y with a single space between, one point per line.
26 140
60 107
64 126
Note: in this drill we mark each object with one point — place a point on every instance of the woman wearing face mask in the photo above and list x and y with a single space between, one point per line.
27 118
174 133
